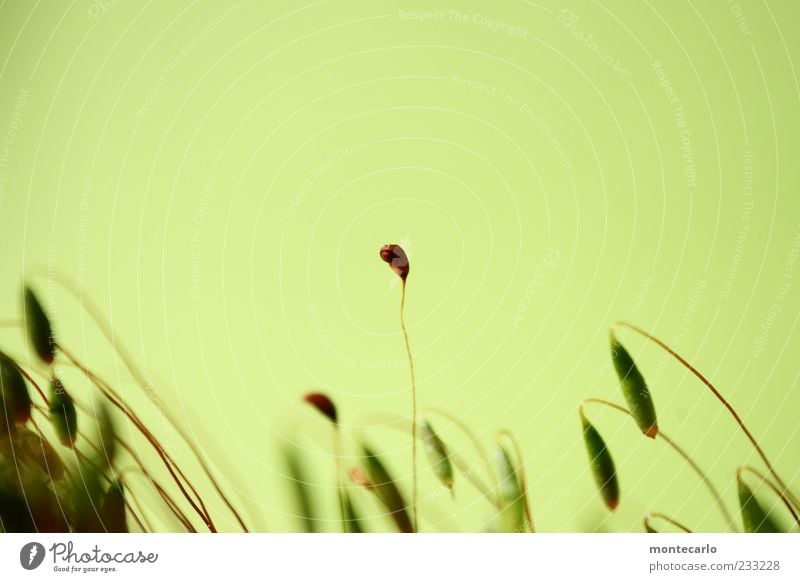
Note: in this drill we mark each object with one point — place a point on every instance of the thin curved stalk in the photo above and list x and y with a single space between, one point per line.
163 493
683 454
719 397
140 464
675 522
85 438
413 409
168 501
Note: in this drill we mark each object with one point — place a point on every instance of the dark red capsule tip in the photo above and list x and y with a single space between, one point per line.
397 259
323 404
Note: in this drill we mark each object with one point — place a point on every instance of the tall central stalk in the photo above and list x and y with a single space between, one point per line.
413 409
396 258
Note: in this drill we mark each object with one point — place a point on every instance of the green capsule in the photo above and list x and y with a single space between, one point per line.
635 389
62 414
14 395
385 488
437 454
512 514
754 518
40 332
605 475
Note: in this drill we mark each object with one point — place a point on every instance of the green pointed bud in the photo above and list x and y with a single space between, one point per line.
754 518
62 414
437 454
512 514
106 436
605 475
40 332
14 396
634 388
112 509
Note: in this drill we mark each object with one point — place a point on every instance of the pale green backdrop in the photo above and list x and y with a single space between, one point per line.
220 178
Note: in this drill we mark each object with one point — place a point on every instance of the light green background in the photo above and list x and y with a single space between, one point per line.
220 180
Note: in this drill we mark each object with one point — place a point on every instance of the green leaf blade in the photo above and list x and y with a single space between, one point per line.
385 488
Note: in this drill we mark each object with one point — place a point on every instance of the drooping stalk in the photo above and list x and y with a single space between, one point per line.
682 453
719 397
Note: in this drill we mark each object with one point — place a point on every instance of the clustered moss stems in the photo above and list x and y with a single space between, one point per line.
98 507
196 501
94 312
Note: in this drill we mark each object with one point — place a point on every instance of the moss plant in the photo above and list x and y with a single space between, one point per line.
756 517
396 258
69 463
66 464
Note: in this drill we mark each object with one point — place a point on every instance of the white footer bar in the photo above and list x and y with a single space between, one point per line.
396 557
